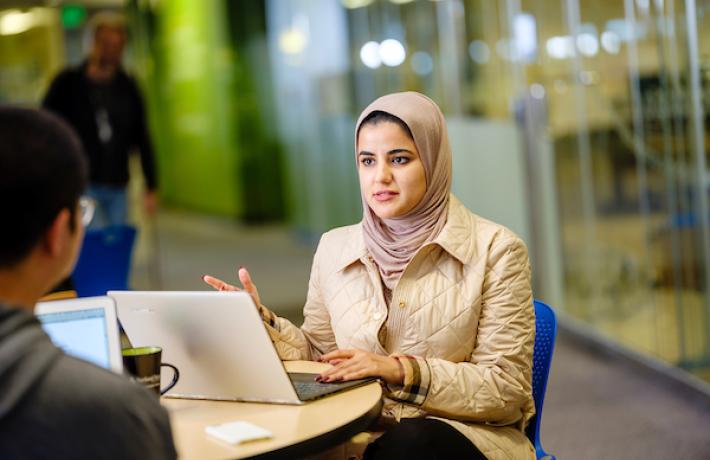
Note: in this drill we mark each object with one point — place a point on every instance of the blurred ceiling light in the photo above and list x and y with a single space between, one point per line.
525 37
292 41
15 22
422 63
611 42
560 47
392 52
587 44
352 4
479 51
587 40
537 91
370 55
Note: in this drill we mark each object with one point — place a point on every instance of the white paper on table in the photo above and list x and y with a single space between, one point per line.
238 432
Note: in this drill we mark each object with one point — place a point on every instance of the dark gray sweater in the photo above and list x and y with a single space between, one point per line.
55 406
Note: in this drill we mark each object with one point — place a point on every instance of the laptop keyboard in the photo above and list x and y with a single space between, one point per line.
307 388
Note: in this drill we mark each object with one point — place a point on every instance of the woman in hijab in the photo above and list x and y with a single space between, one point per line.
425 295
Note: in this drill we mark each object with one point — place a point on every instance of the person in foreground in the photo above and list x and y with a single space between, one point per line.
423 294
53 405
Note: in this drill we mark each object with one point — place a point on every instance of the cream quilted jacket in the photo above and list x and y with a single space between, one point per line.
468 334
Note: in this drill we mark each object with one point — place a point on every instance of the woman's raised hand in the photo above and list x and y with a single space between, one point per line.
358 364
244 278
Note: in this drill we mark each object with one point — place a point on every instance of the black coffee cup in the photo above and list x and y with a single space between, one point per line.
143 364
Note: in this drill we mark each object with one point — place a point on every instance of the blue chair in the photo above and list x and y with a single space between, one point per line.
105 260
545 333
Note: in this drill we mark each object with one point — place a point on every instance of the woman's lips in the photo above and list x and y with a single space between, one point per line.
385 196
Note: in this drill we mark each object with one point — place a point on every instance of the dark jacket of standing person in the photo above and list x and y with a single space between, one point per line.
77 99
52 405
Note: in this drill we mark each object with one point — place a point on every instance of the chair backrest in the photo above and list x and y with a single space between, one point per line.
105 260
545 333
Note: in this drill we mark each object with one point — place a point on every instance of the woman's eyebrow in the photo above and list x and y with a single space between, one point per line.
396 151
391 152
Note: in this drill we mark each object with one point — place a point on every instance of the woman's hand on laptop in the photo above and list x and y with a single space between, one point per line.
244 278
358 364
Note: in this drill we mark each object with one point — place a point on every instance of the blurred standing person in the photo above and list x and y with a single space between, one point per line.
104 105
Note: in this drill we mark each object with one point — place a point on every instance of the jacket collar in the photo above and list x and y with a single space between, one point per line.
458 232
354 250
455 238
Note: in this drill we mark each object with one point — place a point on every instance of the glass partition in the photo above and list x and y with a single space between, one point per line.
625 85
580 125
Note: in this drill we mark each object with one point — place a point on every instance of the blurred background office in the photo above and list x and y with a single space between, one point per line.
581 125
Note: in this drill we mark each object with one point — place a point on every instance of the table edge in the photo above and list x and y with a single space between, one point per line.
326 440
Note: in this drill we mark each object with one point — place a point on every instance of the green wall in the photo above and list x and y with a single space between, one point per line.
189 67
207 75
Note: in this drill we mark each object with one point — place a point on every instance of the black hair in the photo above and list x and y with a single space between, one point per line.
42 171
378 116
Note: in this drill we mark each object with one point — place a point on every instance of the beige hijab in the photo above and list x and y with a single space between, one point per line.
393 242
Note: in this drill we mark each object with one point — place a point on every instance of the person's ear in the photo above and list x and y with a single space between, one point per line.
58 234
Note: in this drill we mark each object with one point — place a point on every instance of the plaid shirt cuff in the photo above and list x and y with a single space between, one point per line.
268 317
417 379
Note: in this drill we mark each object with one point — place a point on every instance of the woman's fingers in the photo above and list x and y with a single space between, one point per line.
345 362
244 278
248 284
357 364
218 284
335 373
350 369
214 282
337 354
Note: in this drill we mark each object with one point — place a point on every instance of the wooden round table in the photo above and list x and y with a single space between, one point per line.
297 430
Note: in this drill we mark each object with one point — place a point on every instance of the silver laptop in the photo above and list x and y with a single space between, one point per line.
220 345
85 328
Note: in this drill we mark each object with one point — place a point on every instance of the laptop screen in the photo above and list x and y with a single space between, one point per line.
79 333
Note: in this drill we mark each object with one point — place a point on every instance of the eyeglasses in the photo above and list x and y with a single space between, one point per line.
87 206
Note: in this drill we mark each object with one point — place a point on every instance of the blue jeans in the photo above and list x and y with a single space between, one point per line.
111 206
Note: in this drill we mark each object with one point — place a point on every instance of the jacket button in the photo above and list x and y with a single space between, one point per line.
401 304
